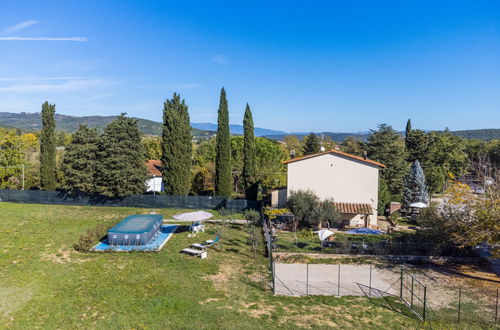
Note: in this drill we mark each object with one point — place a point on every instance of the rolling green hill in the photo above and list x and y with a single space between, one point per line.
32 122
479 134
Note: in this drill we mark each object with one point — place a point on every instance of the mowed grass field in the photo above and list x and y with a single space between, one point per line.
45 284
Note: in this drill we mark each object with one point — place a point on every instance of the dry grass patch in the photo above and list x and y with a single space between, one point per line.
62 256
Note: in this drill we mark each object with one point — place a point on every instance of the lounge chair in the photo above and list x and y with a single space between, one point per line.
206 244
202 253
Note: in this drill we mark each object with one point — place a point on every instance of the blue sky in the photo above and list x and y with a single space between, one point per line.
341 66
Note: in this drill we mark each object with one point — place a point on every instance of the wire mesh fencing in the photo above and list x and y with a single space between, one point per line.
386 248
414 294
467 307
437 303
333 280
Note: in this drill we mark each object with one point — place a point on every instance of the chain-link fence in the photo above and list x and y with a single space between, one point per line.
465 306
430 303
377 248
333 280
146 201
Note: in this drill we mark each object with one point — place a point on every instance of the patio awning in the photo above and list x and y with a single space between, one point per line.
353 208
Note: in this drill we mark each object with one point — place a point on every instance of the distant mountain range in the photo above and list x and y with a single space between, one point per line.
237 129
32 122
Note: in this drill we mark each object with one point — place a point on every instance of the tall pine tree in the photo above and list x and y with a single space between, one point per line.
121 170
415 189
249 157
223 150
387 147
312 144
48 148
176 147
80 161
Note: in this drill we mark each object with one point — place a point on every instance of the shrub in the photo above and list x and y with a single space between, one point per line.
253 217
91 238
306 234
225 212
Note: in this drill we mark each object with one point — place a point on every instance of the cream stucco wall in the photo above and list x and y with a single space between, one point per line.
335 176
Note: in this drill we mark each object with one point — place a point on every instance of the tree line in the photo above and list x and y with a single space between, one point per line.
236 166
113 164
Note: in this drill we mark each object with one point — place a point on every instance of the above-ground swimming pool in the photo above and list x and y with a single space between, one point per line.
135 230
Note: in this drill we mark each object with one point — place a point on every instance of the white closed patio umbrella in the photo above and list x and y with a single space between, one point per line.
194 216
323 234
418 205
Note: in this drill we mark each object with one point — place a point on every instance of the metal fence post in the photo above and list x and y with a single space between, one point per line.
307 279
411 300
274 277
370 281
338 284
496 308
401 286
424 314
459 302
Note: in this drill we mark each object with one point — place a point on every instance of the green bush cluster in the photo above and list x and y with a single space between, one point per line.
91 238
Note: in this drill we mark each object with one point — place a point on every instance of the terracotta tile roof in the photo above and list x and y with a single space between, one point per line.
353 208
154 167
338 152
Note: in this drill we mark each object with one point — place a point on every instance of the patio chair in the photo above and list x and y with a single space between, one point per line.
197 227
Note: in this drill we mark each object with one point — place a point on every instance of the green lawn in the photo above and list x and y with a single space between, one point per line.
45 284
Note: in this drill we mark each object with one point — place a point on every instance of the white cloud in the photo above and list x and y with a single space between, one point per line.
79 39
18 27
71 84
220 59
30 79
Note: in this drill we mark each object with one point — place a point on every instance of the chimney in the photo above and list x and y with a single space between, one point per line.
292 154
365 156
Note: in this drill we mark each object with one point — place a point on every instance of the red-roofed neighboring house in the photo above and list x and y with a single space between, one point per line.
351 181
154 183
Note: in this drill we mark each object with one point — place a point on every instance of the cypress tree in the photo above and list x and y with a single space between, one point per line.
249 156
176 147
311 144
408 127
415 189
223 150
121 170
80 161
48 148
